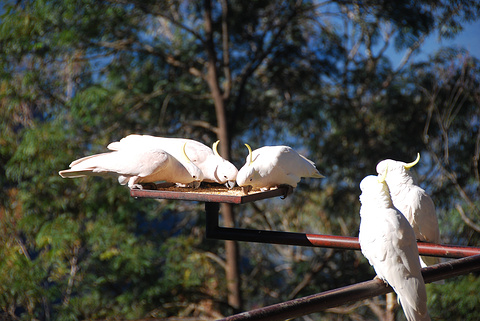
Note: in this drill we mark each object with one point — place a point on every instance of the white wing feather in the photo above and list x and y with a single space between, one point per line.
275 165
131 165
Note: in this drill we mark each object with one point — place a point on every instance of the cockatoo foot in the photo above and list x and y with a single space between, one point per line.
289 190
150 186
136 186
230 184
384 282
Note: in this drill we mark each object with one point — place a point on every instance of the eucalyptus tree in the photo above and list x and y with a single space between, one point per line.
76 75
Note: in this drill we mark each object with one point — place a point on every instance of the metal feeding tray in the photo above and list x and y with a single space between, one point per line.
207 193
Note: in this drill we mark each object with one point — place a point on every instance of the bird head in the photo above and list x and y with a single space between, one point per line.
398 171
375 190
225 172
193 170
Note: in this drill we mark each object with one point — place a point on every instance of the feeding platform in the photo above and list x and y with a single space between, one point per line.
207 193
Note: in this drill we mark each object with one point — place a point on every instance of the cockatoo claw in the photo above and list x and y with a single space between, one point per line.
289 190
384 282
230 184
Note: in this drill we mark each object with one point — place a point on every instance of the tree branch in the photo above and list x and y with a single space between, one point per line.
308 277
466 219
203 124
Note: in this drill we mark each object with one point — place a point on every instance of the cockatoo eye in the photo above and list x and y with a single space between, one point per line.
251 179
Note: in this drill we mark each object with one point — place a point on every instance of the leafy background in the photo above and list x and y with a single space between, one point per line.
318 76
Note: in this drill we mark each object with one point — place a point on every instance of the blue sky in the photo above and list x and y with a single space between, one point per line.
469 39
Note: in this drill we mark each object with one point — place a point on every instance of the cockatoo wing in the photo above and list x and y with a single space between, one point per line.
266 159
196 151
292 163
141 163
85 166
310 170
275 165
131 165
420 211
173 146
418 208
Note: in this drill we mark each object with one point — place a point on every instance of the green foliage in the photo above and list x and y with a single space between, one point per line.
77 74
456 299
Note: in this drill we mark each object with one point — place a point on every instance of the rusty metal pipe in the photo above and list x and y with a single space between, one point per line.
214 231
356 292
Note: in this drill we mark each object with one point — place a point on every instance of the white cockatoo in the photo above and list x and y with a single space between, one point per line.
388 242
215 168
412 201
134 166
272 166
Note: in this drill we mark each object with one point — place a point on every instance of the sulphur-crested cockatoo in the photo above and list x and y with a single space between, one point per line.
135 166
272 166
215 169
412 201
388 242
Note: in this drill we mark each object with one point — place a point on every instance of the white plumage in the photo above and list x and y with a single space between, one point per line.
132 166
271 166
214 168
388 242
414 203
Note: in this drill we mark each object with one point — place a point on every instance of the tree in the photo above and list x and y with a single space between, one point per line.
76 75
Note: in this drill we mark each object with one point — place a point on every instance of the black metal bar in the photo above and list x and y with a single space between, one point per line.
356 292
212 211
214 231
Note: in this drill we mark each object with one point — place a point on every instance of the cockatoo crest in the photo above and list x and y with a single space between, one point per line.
196 173
401 176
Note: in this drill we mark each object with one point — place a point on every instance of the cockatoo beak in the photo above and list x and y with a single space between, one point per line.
196 184
246 189
230 184
410 165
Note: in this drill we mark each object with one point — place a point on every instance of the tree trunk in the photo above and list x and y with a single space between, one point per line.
231 247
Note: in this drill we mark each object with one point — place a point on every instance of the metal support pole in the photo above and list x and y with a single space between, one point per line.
212 211
214 231
356 292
